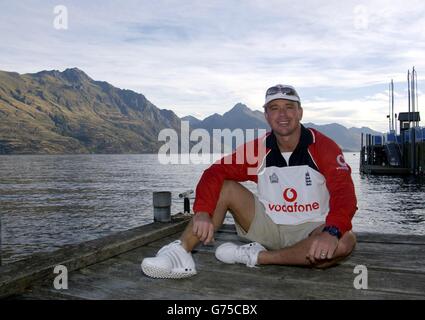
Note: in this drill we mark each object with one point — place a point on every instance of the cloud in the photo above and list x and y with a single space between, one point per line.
201 57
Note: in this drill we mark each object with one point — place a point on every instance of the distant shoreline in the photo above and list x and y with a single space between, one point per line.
78 154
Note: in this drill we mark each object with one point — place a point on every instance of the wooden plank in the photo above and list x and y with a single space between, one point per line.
386 279
341 276
121 278
376 261
380 259
41 293
380 256
229 228
361 236
395 272
16 277
389 238
116 279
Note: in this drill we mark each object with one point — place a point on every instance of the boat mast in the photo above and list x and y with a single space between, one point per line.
413 95
392 104
389 108
408 96
416 98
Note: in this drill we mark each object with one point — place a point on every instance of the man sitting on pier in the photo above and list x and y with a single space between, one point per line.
302 214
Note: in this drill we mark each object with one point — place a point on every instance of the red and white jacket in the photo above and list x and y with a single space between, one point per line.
316 185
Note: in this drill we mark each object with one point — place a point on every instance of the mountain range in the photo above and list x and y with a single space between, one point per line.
240 116
53 112
68 112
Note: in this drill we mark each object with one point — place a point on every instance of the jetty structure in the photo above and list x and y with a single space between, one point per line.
382 266
398 152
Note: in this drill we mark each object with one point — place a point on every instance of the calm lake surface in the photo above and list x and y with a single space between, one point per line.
49 201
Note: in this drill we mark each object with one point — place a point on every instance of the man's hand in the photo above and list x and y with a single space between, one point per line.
203 227
322 248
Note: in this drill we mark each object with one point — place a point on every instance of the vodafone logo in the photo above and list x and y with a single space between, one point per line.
341 162
290 195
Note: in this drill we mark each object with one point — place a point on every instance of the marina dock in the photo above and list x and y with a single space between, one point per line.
109 268
398 152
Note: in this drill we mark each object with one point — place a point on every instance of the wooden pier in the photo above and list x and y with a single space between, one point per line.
384 170
109 268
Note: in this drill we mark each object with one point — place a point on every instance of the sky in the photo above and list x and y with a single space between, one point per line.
199 57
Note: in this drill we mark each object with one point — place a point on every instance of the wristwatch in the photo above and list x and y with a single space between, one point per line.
332 230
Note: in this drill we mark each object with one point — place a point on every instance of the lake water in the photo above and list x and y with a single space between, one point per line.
49 201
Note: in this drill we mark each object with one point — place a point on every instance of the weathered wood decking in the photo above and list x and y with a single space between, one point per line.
110 269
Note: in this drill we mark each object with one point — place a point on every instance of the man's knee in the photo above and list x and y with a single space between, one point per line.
347 244
228 189
345 247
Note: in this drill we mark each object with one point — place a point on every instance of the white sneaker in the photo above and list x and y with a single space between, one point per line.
172 261
247 254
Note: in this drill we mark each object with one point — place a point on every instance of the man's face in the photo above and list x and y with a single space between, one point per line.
283 116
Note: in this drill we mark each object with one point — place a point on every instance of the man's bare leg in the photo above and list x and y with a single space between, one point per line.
234 197
297 254
240 201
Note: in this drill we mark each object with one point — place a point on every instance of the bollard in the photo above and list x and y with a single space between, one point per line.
162 206
186 200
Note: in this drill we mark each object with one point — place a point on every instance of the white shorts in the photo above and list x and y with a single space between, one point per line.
274 236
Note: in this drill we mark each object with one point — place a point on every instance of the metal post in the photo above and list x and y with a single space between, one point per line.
395 116
416 92
186 205
389 108
186 200
369 148
408 96
389 123
392 104
162 206
412 87
413 146
366 150
361 152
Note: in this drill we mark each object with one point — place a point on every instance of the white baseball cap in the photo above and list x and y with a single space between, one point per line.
281 91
